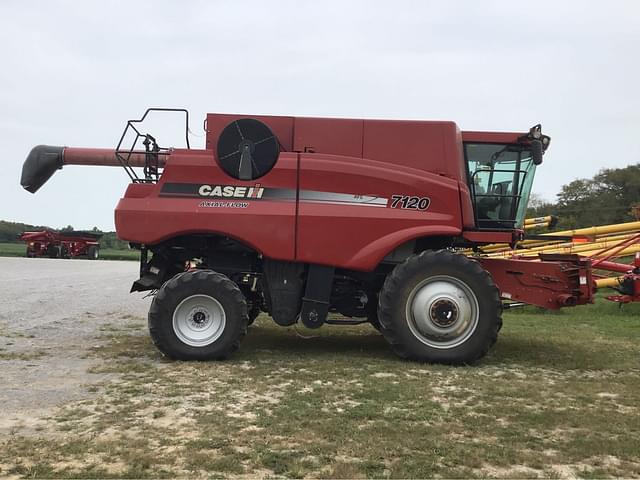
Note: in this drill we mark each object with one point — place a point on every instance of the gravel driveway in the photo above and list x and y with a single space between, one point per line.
51 312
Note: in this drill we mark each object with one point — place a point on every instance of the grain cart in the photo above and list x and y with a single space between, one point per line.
70 244
303 217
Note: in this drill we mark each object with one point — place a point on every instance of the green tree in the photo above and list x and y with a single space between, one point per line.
608 197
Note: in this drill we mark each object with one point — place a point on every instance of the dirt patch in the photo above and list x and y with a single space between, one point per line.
53 312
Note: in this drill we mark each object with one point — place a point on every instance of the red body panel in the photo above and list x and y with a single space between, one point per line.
339 137
359 236
267 226
424 145
491 137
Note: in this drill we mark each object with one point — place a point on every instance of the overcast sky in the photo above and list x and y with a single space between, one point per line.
72 73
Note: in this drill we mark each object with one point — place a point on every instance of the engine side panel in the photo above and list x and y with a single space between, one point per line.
348 215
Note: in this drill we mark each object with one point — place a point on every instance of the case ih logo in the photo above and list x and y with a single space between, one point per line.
258 192
230 191
198 190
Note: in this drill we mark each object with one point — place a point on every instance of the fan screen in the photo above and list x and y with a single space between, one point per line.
247 149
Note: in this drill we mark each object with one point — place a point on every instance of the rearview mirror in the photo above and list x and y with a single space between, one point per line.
536 151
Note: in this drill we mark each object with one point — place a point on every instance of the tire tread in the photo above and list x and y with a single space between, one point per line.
161 310
419 264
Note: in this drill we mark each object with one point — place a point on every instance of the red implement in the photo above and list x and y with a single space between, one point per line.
551 282
48 243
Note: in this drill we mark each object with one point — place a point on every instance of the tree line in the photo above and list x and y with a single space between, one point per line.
609 197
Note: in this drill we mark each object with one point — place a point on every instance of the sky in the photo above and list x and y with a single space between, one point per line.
72 73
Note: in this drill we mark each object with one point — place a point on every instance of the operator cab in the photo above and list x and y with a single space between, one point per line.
500 177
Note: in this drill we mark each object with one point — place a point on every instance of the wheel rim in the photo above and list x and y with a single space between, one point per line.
199 320
442 312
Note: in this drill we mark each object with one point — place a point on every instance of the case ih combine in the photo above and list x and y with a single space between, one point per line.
300 217
47 243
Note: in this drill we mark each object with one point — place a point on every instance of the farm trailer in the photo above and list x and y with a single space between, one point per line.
301 217
48 243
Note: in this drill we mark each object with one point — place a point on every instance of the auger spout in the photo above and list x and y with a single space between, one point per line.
43 161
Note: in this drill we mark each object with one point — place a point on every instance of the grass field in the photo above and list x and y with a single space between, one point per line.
558 397
19 249
113 254
12 249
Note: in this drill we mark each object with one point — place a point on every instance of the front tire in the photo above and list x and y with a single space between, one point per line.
198 315
440 307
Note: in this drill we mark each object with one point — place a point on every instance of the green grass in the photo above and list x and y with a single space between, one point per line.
559 393
113 254
12 249
19 250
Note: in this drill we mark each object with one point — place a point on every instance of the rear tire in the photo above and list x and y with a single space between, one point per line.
198 315
54 251
440 307
93 252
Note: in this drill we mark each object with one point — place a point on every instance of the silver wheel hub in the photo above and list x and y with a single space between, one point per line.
442 312
199 320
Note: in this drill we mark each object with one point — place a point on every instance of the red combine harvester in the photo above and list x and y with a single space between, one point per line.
47 243
300 217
